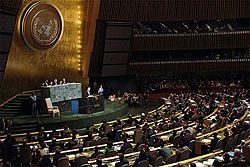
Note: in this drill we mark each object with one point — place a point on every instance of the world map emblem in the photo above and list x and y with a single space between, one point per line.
41 26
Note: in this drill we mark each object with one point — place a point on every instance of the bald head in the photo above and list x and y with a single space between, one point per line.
237 152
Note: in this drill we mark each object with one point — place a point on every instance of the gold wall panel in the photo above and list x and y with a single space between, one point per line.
27 69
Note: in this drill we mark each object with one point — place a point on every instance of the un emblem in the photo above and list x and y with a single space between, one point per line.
41 26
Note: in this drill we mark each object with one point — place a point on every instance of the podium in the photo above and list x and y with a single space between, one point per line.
75 106
59 93
92 104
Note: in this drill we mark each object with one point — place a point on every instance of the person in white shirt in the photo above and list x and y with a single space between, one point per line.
43 150
88 93
100 90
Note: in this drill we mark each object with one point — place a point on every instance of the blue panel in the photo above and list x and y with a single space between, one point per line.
74 106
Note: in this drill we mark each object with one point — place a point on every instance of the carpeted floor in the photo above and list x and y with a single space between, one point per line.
113 110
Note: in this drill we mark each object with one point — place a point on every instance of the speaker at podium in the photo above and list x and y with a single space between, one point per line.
92 104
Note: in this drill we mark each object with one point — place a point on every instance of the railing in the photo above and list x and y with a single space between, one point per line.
189 61
191 34
25 92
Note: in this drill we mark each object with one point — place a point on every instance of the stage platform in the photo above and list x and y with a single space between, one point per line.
113 110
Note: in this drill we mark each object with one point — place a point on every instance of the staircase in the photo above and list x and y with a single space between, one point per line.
13 107
24 127
12 110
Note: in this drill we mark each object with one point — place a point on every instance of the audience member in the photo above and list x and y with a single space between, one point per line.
96 153
125 145
142 156
122 161
108 148
57 156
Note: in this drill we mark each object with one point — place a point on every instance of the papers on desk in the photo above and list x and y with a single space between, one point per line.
117 148
216 101
71 156
165 138
34 146
212 117
206 140
192 101
219 158
221 106
209 162
199 164
246 122
130 133
90 96
113 163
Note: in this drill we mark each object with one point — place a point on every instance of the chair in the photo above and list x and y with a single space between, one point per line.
236 139
172 159
247 134
143 163
45 161
219 144
118 135
176 141
241 137
206 130
103 140
94 143
138 135
52 109
85 165
25 156
111 154
87 143
223 122
141 147
184 155
165 127
153 155
206 123
100 156
152 140
79 161
158 161
214 127
63 162
107 129
230 144
125 165
128 150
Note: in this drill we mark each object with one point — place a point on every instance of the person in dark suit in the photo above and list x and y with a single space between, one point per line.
122 161
142 156
46 83
7 144
99 163
226 137
214 141
96 153
53 145
33 104
57 156
165 152
125 145
63 81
